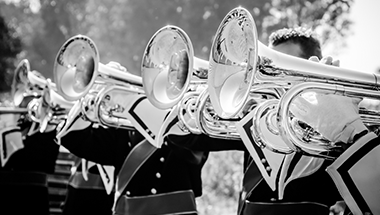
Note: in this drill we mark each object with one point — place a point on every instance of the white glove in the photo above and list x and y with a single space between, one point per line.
335 117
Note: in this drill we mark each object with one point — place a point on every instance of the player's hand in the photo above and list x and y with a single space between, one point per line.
335 117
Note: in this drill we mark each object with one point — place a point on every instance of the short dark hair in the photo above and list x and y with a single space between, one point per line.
310 45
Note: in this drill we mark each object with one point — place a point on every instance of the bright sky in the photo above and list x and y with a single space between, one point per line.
363 50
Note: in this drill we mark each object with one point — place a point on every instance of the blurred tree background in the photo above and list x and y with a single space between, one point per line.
122 28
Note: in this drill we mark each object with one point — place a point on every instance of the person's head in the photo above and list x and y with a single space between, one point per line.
299 42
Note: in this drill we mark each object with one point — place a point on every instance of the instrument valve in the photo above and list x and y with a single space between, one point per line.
117 66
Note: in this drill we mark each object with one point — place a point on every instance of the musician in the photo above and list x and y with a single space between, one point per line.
25 160
23 176
315 187
86 191
150 180
257 197
94 143
355 171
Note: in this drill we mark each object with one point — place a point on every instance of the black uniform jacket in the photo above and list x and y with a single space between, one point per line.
23 180
84 198
39 154
317 188
169 169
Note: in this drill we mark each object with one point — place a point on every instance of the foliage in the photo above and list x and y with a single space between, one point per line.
222 177
121 29
10 46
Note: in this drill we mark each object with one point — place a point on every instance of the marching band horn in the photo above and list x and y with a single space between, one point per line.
100 105
77 68
35 96
302 141
19 82
27 83
108 108
239 63
49 103
208 122
232 60
168 66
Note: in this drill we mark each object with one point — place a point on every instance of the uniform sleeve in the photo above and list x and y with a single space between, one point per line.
39 154
203 142
106 146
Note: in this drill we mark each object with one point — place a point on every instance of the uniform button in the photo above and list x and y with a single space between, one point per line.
165 143
162 159
154 191
268 168
263 160
128 193
273 199
158 175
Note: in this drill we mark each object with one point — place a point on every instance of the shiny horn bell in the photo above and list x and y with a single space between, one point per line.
77 68
18 89
27 83
101 89
20 82
35 96
168 66
240 65
233 60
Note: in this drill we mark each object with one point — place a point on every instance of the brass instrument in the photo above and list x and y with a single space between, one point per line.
240 65
24 83
109 111
77 68
210 123
34 97
51 108
265 131
81 77
305 142
171 73
5 109
168 65
103 105
173 76
234 62
207 118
